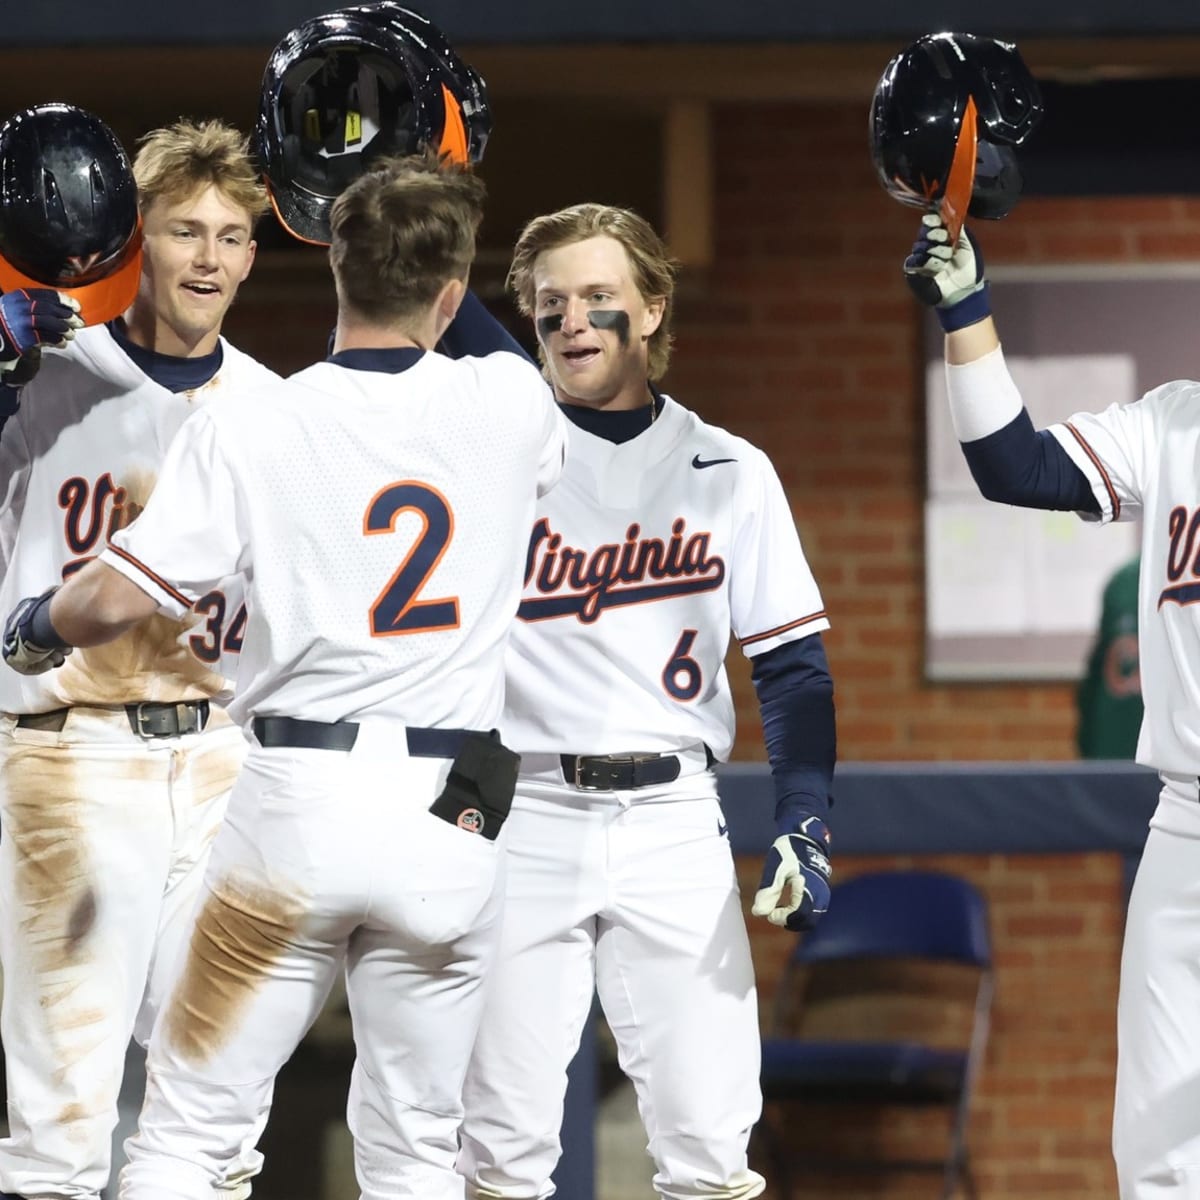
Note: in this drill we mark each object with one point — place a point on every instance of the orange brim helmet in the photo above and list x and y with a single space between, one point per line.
351 87
946 117
105 298
70 215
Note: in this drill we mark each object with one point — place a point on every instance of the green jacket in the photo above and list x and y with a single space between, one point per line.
1110 694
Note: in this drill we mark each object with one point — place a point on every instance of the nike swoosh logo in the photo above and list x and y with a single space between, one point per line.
700 463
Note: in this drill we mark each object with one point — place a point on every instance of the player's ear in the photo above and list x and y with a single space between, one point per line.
652 316
252 249
450 297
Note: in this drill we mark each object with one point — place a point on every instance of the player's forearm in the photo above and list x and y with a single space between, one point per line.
97 605
972 342
475 332
795 695
1010 461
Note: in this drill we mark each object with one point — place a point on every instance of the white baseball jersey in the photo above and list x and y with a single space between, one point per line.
1141 460
77 462
380 520
641 562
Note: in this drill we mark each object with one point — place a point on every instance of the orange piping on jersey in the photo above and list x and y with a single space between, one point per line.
156 579
1113 498
770 633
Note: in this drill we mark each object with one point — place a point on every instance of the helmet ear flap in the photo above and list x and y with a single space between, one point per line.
997 182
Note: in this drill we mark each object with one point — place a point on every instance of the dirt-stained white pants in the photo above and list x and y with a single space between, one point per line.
103 840
326 859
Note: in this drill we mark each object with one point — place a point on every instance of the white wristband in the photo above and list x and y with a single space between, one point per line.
983 396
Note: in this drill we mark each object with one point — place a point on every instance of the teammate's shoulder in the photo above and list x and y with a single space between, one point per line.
504 364
247 398
78 373
92 347
1170 405
1184 392
242 366
708 441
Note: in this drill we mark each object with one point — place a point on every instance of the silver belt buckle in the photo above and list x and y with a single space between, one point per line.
617 760
187 720
140 719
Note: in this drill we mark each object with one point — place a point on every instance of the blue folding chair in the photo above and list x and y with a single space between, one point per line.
879 926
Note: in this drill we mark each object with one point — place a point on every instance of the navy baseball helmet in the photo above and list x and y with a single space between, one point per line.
348 88
946 117
68 210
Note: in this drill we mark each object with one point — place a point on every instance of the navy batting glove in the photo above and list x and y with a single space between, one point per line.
794 890
34 317
948 277
31 644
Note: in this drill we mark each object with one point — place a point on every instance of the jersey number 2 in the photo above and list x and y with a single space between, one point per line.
396 609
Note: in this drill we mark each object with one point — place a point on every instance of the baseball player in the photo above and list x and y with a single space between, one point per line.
379 505
114 772
665 534
1129 462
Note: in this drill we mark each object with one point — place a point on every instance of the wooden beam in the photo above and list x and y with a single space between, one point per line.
688 182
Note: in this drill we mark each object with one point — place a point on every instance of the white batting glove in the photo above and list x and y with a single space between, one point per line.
794 890
22 654
948 277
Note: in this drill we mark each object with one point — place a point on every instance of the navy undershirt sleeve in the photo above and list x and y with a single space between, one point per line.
475 332
795 697
1024 466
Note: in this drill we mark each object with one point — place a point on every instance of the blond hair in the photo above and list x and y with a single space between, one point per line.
179 159
654 269
401 231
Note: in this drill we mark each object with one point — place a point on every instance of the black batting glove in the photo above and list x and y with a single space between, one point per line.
34 317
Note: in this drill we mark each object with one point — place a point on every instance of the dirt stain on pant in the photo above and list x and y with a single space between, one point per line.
56 899
242 931
53 883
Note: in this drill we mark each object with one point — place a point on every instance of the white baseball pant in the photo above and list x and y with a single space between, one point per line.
1156 1117
103 840
327 859
632 894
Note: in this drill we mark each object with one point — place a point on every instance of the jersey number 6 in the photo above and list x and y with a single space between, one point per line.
396 609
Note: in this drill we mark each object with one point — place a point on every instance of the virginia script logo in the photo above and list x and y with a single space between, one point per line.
582 583
1183 561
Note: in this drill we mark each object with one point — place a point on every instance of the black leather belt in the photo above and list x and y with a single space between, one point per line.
341 735
610 772
149 719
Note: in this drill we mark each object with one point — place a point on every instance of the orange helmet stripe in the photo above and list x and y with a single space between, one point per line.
961 179
454 133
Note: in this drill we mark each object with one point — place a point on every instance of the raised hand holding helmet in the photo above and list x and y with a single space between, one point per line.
948 276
